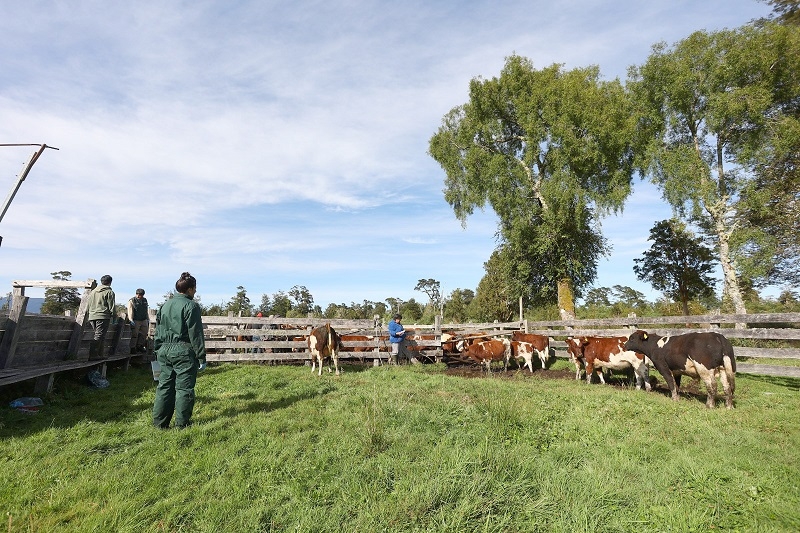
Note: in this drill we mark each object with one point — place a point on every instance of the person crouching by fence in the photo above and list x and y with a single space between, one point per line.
140 322
181 353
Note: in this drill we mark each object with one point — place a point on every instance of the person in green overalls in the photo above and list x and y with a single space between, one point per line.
181 352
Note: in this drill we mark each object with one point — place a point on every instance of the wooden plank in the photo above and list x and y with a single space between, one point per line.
81 318
88 284
730 333
295 356
638 322
44 384
770 353
30 373
768 370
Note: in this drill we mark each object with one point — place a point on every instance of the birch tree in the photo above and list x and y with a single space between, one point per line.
550 152
706 103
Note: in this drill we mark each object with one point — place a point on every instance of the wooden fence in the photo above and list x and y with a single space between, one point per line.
283 339
38 346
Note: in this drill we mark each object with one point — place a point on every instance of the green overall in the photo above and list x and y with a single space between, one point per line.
180 349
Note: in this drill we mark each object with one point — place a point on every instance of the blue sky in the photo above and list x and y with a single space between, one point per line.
272 144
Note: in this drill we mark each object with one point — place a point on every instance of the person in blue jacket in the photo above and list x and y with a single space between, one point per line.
396 338
181 353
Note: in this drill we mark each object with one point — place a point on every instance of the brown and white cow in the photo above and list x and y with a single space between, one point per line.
697 355
487 351
530 343
324 342
607 353
351 338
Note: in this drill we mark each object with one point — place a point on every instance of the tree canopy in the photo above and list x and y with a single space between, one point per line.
57 300
706 105
677 263
549 151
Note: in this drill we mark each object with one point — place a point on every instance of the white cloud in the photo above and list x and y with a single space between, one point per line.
276 144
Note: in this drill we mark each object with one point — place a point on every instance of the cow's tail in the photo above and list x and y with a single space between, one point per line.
331 347
730 370
729 362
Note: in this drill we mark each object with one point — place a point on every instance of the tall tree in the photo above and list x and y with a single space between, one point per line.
786 11
705 103
431 287
771 202
6 302
549 150
493 299
265 307
677 263
57 300
302 301
281 304
456 305
240 303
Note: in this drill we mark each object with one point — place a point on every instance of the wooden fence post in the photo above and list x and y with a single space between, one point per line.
80 321
15 317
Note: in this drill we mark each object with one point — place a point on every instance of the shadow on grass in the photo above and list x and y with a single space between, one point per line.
778 381
251 405
74 399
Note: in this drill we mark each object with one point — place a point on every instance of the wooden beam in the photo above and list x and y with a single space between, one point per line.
80 325
44 384
88 284
8 346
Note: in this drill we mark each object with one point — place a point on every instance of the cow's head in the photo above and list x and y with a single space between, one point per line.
639 341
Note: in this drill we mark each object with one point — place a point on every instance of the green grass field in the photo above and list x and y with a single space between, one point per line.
275 448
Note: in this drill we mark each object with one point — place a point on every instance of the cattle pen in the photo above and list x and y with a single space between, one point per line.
34 346
276 339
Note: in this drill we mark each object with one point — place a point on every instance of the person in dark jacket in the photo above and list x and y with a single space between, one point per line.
181 353
139 316
102 305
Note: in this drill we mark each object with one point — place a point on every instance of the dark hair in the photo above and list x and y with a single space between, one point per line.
398 315
106 280
140 291
185 282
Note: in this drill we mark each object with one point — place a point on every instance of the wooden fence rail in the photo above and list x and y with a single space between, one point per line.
277 344
42 344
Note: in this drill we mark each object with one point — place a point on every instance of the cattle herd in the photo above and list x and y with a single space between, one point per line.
703 356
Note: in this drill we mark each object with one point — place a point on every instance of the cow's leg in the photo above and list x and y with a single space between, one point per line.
335 357
666 373
589 370
709 377
577 369
728 378
543 358
642 377
600 373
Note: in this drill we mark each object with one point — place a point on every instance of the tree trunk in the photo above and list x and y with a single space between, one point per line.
566 298
730 281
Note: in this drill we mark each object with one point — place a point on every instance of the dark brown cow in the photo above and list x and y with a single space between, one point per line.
324 342
697 355
485 352
532 343
607 353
